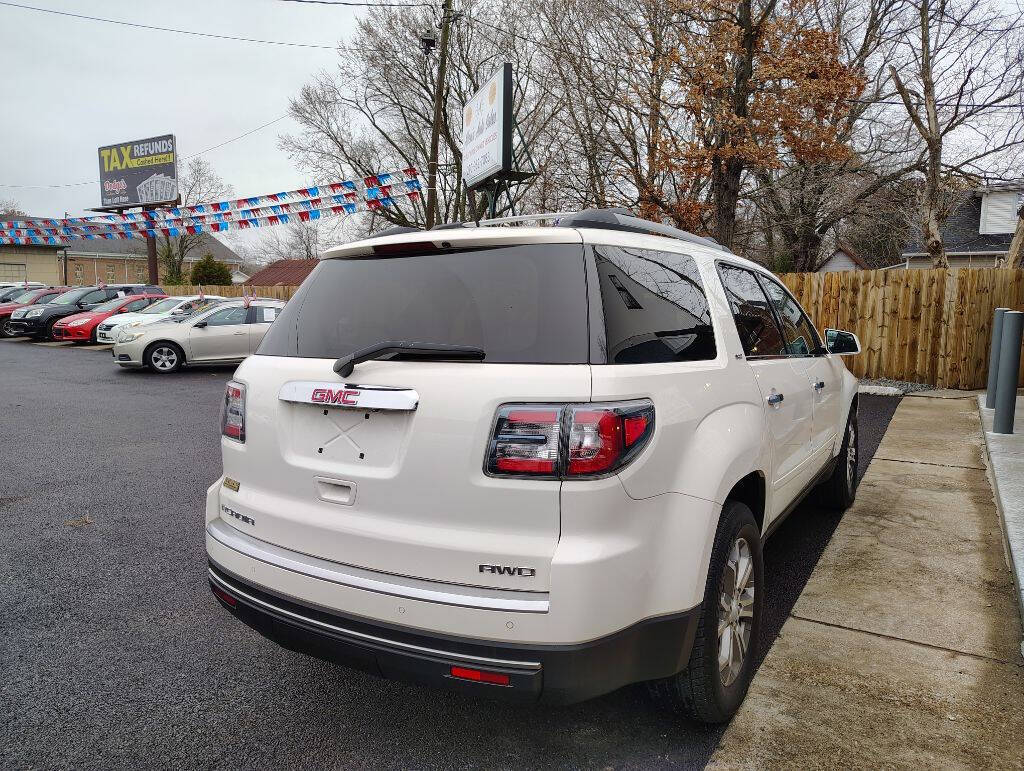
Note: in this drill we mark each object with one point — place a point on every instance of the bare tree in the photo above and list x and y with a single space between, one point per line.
200 184
299 240
10 208
961 64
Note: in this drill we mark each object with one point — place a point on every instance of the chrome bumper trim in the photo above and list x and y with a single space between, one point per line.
372 581
369 638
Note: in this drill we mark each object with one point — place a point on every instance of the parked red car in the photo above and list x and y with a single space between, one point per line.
81 327
31 296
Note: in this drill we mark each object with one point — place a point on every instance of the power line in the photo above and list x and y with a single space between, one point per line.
179 31
184 158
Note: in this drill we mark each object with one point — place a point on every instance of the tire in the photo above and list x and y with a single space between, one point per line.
703 691
164 357
840 489
48 334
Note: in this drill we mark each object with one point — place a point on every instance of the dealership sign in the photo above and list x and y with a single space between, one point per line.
142 173
487 130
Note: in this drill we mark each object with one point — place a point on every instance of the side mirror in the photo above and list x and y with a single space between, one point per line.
199 324
841 343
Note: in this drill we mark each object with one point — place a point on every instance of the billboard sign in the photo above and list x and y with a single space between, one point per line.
487 130
141 173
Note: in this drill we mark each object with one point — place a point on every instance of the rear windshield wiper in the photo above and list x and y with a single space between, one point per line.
346 364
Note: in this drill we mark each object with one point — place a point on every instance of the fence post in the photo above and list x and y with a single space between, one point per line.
993 358
1009 367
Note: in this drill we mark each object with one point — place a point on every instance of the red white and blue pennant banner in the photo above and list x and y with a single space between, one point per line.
182 228
375 187
382 196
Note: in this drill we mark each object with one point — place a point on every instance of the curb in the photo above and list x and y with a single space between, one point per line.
1009 503
877 390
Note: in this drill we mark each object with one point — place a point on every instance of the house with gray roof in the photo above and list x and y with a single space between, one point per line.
978 231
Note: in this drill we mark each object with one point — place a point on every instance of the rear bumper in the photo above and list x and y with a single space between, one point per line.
560 674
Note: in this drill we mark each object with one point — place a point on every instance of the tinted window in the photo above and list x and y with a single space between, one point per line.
264 314
800 335
755 322
96 296
227 316
655 309
71 297
136 305
521 304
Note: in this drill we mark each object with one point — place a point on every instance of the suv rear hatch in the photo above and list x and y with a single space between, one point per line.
404 491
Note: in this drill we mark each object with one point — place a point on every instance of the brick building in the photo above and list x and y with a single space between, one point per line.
92 261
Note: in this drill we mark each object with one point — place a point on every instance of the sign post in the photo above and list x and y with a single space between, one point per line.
143 173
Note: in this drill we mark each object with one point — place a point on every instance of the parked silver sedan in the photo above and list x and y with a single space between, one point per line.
223 334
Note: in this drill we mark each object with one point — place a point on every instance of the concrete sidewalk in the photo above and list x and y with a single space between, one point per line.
903 648
1005 455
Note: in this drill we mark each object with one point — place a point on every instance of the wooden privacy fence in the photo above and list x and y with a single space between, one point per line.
926 326
234 290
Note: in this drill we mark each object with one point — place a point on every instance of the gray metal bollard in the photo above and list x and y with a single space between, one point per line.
1009 367
993 357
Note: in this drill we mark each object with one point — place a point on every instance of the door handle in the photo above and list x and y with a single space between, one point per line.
820 385
775 399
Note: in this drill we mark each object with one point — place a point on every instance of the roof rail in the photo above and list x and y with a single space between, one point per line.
602 219
621 219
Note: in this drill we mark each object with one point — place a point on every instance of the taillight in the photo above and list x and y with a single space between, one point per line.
526 440
568 441
232 416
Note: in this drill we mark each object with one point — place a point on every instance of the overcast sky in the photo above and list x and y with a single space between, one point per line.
73 85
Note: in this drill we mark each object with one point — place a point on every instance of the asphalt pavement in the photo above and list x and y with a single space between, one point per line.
113 652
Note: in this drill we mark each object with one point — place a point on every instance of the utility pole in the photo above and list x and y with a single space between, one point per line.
435 131
154 268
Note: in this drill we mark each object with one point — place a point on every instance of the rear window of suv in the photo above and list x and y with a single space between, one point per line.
523 304
655 307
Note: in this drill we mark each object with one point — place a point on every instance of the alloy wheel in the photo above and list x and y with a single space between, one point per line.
164 358
735 611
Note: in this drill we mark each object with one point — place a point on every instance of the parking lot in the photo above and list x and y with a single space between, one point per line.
115 653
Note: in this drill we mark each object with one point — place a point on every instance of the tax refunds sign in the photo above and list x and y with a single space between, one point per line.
140 173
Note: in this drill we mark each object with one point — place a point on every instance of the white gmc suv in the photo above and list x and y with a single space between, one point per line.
528 462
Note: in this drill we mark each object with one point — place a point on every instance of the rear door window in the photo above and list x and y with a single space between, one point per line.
800 336
655 307
755 322
520 304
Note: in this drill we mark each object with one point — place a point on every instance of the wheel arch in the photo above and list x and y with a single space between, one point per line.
149 347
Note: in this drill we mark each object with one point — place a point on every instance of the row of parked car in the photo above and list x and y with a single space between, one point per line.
147 327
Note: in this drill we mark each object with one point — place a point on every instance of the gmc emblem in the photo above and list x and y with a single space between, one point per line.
508 570
331 396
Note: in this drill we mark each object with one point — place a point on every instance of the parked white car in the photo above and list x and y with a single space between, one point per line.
224 333
528 462
160 311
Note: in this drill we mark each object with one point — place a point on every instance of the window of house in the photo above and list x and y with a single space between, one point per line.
140 273
655 308
79 274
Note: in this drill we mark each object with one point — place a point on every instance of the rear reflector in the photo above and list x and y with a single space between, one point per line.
222 595
480 676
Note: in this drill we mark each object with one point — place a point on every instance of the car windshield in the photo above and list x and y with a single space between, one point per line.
24 297
70 298
163 306
109 305
521 304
